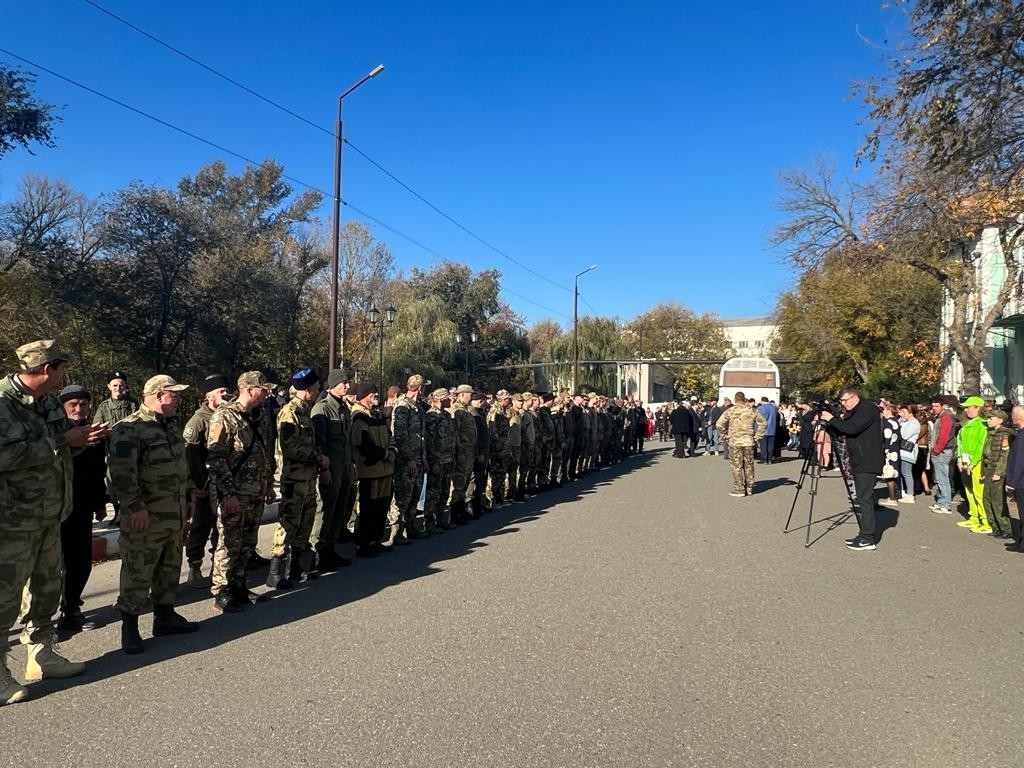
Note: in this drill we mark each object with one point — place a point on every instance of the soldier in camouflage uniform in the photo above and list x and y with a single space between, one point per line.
515 448
742 426
597 441
119 405
545 439
528 452
558 443
36 442
332 424
569 436
439 444
150 476
465 451
242 465
497 466
993 472
300 471
478 486
407 432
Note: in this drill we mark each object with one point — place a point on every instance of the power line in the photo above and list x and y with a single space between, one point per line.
320 128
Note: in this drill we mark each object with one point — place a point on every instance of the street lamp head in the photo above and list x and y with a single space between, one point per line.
374 315
473 337
390 312
377 70
458 337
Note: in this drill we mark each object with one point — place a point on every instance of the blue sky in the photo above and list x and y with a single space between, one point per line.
643 137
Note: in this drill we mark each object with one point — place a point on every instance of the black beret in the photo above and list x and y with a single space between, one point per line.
118 375
364 388
304 378
75 392
216 381
547 397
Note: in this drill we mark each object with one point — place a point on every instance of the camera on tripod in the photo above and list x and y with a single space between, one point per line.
818 407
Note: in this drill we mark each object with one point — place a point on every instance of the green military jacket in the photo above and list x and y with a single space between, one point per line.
373 449
111 411
558 430
300 456
240 451
195 434
439 437
407 430
465 434
742 425
515 431
332 425
528 420
497 427
146 465
997 449
35 461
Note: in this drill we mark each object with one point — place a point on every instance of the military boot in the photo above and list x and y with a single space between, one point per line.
312 572
459 513
131 641
196 580
11 691
45 662
167 621
226 602
278 576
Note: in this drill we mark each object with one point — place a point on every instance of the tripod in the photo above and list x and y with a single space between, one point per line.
811 469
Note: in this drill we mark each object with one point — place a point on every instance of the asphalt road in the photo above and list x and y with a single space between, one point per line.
641 617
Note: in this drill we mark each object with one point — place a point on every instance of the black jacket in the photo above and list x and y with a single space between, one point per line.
863 430
682 421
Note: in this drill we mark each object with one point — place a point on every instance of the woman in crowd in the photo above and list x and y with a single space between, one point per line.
910 430
891 446
922 466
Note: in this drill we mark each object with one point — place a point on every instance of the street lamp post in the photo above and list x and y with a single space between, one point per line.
380 320
472 338
575 330
332 343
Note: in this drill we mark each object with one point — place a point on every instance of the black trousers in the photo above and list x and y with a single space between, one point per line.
76 548
204 527
864 483
374 501
479 486
681 440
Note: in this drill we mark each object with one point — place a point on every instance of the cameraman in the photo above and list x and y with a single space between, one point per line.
862 427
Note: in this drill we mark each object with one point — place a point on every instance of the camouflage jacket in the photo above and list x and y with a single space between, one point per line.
497 426
300 456
515 430
111 411
544 428
240 451
35 461
997 449
742 426
407 431
439 437
332 425
465 435
196 431
147 467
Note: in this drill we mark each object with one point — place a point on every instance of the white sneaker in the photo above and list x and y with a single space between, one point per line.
904 499
941 510
888 503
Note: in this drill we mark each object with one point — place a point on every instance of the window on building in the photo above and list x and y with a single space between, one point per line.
741 345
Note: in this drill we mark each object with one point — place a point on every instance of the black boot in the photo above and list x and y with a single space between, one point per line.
256 562
131 641
312 572
227 602
166 621
278 576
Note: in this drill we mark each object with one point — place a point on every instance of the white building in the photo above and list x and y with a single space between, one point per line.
750 337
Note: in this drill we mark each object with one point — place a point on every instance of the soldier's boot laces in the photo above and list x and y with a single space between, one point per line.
278 576
167 621
11 691
131 640
196 580
45 662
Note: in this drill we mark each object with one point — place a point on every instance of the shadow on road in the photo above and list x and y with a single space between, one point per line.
364 579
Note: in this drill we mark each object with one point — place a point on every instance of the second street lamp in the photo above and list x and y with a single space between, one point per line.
472 338
380 320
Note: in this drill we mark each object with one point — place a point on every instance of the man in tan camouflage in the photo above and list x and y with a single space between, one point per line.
741 427
407 432
439 444
36 441
148 473
300 469
242 465
465 452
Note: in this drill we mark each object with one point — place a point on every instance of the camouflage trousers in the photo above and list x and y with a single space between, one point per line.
496 478
30 564
741 459
407 483
236 542
512 475
462 474
543 465
439 485
555 465
150 564
333 510
295 513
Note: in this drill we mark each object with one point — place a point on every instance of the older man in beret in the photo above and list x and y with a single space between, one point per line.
36 443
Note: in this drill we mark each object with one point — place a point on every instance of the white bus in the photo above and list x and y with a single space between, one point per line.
755 377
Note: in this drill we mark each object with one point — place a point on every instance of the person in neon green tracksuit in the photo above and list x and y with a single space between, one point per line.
970 446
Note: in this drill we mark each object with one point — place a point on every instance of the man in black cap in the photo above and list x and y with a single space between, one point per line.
214 391
88 500
332 425
373 452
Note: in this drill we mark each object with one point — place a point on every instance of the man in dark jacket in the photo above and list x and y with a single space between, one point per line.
682 425
861 424
1015 477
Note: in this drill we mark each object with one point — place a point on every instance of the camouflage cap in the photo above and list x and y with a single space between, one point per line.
503 394
161 383
517 398
37 353
441 393
463 388
415 382
254 379
528 396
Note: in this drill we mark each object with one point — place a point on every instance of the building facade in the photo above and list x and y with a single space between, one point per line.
750 337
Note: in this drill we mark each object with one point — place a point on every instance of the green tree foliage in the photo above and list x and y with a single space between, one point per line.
600 338
23 119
